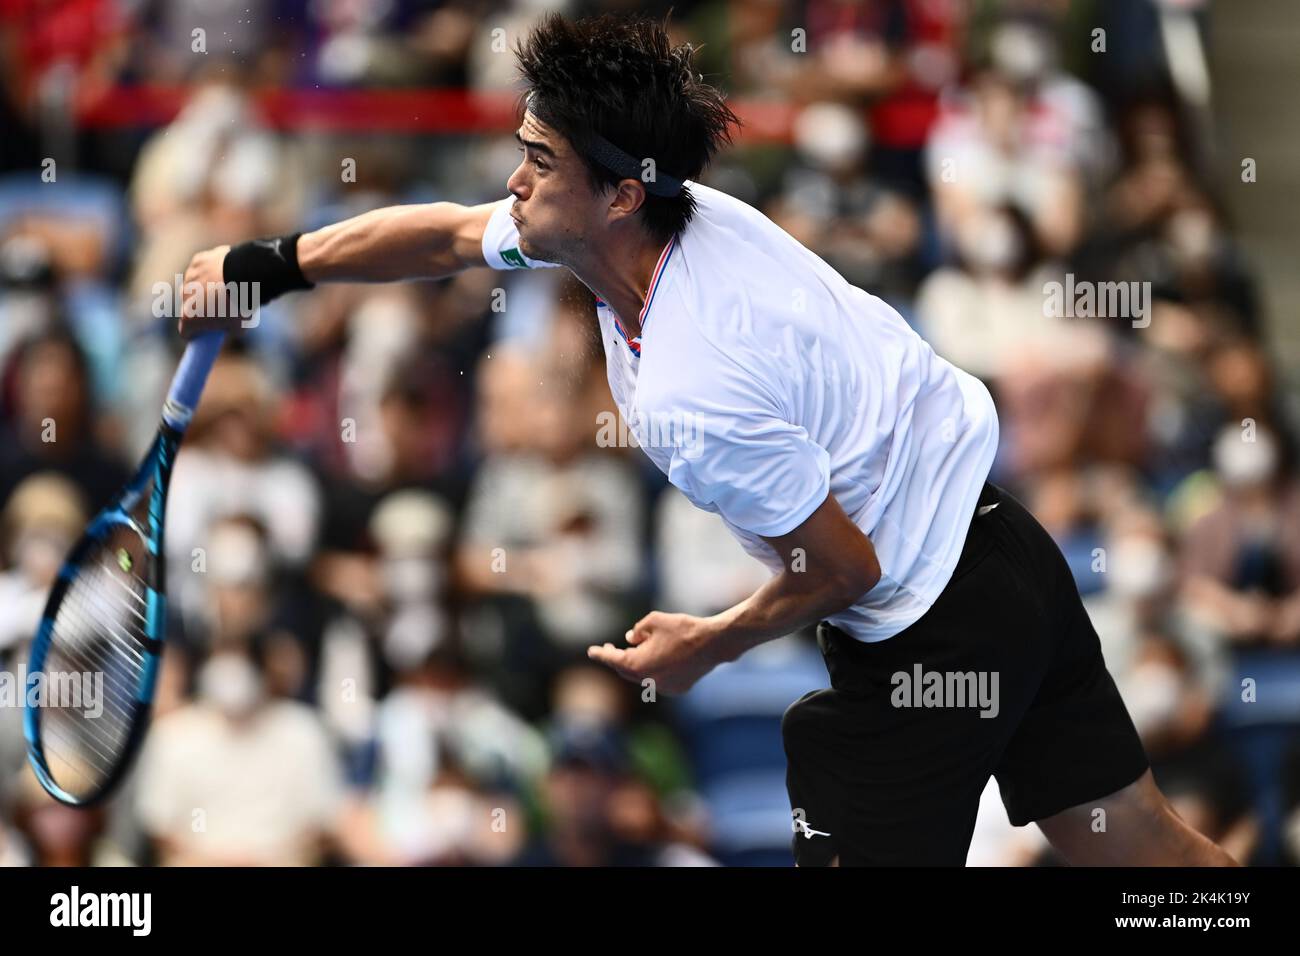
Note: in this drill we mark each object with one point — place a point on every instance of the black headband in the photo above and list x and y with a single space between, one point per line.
617 160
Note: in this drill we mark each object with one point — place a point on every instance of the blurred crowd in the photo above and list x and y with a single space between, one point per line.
403 512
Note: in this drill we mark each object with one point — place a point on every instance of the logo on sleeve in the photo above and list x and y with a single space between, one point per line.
515 258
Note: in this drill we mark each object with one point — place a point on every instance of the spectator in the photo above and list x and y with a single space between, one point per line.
595 814
1191 760
230 466
215 788
55 834
53 424
1242 559
991 147
449 758
551 533
41 521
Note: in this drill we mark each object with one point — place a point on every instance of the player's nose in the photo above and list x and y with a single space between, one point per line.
516 183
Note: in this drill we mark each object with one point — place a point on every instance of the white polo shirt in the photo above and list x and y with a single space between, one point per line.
762 380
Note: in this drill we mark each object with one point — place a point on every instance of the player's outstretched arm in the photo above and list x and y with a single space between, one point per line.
395 243
427 241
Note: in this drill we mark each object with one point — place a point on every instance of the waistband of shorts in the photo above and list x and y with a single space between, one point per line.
978 543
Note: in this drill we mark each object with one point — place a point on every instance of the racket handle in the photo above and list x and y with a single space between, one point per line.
187 384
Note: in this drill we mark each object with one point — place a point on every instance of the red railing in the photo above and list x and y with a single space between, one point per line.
395 111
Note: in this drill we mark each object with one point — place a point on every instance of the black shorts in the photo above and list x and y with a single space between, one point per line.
1003 676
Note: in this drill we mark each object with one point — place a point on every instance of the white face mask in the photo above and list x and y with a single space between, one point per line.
1022 52
231 684
1153 694
1244 463
414 631
1192 235
237 556
990 244
830 136
411 579
1139 566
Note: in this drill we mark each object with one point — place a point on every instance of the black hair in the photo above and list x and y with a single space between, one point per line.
58 335
621 78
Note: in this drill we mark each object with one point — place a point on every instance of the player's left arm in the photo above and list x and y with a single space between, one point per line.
828 565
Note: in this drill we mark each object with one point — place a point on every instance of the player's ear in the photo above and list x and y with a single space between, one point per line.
627 198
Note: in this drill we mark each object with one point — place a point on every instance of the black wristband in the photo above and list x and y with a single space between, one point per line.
271 263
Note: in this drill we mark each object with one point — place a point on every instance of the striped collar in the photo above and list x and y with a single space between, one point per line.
634 344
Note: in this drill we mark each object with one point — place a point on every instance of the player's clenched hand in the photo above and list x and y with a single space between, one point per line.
205 272
675 650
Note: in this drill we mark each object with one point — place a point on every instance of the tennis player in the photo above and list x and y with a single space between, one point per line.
835 444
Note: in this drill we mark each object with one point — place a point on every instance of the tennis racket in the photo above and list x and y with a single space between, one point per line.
103 627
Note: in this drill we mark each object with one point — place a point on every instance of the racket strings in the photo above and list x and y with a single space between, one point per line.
102 628
97 644
82 635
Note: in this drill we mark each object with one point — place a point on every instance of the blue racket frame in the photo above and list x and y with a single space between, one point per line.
182 398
